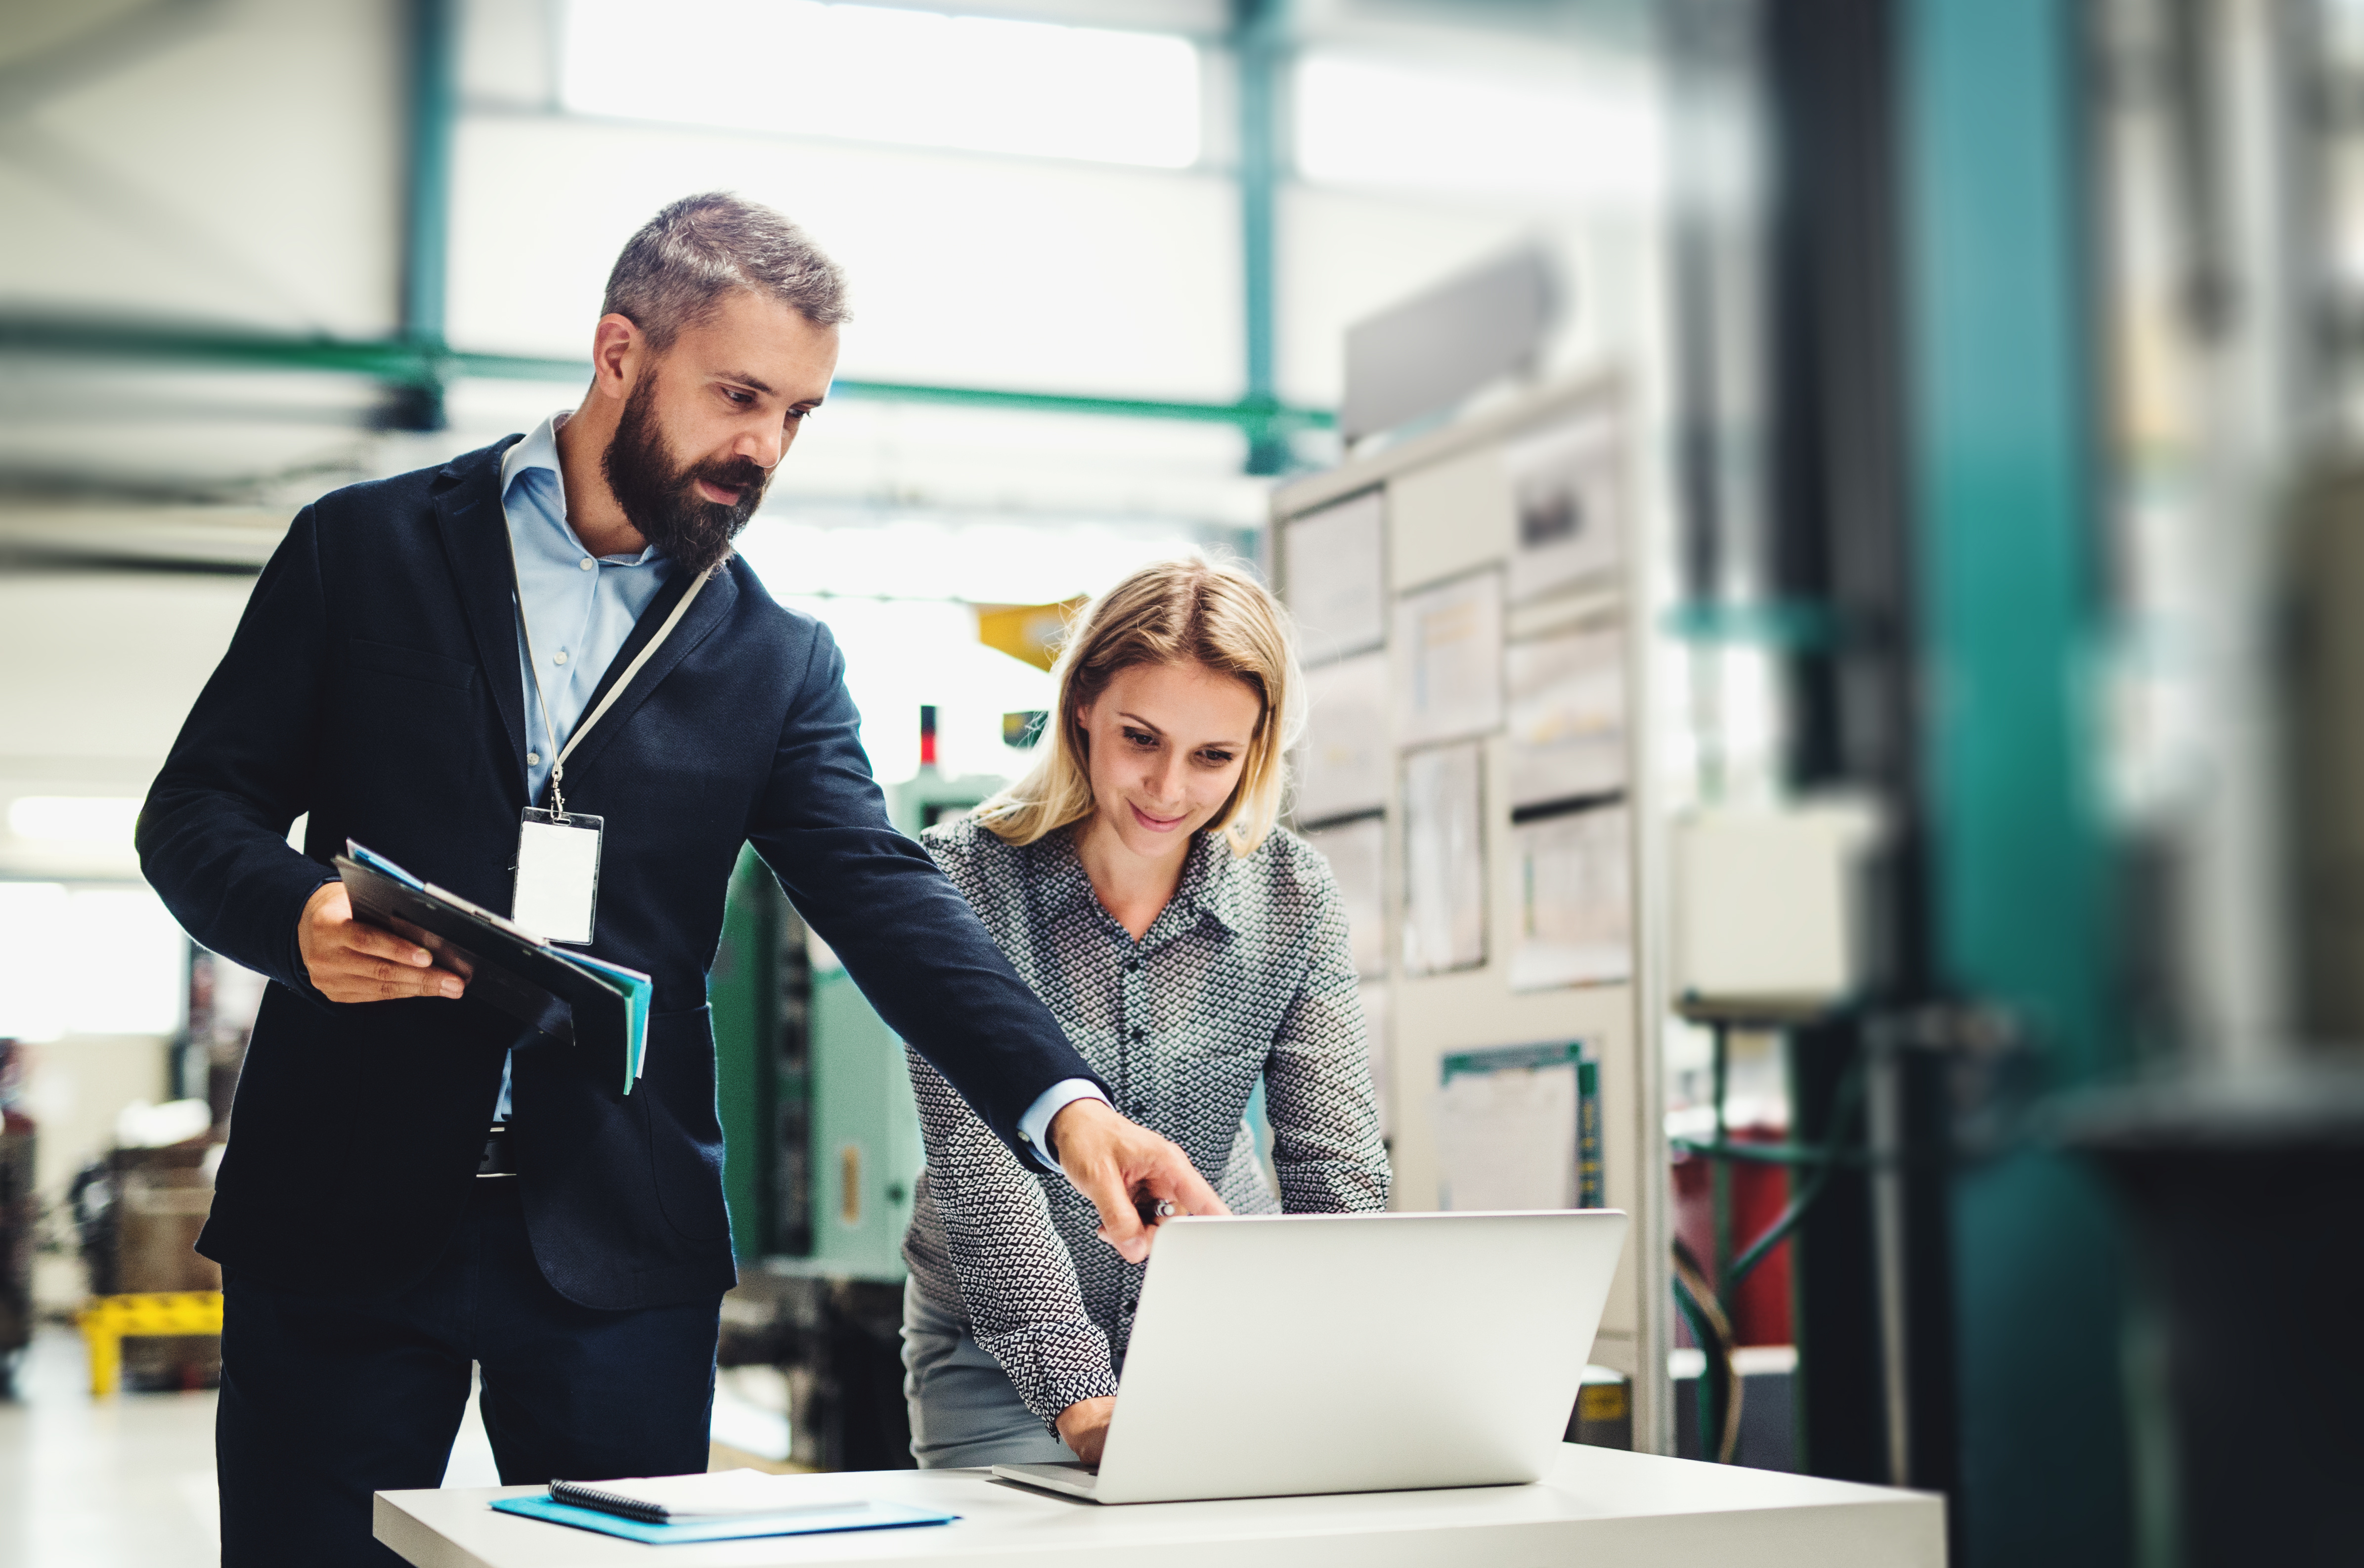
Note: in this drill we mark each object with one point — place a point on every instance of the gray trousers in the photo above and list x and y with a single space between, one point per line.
964 1409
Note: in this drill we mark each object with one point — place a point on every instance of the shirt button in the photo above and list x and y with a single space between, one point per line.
559 657
586 564
533 758
1131 964
1138 1033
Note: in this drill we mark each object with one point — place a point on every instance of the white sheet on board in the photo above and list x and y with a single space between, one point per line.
1451 643
1576 906
1567 715
1444 860
1568 492
1342 764
1508 1139
1334 563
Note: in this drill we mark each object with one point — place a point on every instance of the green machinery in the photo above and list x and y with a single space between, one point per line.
822 1144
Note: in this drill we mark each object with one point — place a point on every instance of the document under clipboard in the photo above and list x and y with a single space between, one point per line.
570 997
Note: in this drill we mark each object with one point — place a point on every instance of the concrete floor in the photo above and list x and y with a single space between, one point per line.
107 1483
128 1482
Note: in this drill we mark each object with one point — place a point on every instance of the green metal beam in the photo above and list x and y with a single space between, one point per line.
426 227
2005 507
402 363
1259 39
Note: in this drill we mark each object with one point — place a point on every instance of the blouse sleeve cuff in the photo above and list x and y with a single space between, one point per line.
1053 1366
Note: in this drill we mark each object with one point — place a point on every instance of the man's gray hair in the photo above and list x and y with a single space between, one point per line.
676 271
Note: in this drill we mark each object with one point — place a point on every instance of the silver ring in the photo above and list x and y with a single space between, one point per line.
1166 1209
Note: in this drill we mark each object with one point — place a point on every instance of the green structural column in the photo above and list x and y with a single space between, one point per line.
426 210
2004 490
1259 43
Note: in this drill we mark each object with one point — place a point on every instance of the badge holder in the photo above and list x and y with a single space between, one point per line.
558 873
558 851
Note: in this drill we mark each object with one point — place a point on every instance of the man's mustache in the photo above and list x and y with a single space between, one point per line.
743 474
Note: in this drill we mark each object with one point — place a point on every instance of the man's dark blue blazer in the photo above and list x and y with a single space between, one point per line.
374 683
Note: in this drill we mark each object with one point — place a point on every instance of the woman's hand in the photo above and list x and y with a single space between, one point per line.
1083 1427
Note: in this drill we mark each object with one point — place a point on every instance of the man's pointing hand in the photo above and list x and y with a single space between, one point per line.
1120 1165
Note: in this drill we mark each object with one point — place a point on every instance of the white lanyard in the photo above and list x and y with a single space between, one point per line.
583 726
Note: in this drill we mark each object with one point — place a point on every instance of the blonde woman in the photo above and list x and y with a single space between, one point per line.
1189 947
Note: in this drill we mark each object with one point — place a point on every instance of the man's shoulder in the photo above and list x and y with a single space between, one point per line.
755 609
413 494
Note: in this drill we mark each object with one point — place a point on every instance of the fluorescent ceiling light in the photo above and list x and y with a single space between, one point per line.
982 83
74 819
1385 124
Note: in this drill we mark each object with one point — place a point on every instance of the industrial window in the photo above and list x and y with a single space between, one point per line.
868 73
1383 124
88 961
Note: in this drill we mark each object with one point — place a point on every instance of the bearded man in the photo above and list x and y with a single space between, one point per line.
549 636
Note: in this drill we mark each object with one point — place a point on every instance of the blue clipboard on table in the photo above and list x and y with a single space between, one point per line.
814 1519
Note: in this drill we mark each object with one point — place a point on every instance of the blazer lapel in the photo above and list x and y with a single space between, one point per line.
476 538
713 605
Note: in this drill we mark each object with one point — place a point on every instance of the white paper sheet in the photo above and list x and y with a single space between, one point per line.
1357 854
1567 487
1508 1138
1334 565
1341 765
1444 860
1576 906
1567 715
1450 638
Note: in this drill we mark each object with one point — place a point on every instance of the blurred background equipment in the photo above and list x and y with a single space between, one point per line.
20 1214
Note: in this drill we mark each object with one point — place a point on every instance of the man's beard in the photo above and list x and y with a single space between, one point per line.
656 492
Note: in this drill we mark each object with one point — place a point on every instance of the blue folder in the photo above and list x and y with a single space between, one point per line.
808 1521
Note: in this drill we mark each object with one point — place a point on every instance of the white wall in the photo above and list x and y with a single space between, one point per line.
97 669
244 169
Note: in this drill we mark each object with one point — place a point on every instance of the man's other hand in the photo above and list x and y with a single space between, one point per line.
353 962
1083 1427
1118 1165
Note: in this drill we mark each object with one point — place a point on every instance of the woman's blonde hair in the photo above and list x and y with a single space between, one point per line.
1195 610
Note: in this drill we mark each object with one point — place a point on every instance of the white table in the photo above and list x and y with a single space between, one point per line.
1597 1507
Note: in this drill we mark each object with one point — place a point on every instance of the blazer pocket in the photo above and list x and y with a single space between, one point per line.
435 669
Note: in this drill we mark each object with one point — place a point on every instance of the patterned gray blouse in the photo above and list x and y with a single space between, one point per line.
1244 973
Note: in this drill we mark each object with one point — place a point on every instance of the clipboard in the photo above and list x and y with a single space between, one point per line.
569 998
855 1516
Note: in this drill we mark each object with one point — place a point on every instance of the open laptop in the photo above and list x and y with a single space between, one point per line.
1279 1355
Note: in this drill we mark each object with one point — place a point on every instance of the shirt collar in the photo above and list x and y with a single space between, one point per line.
1208 888
539 451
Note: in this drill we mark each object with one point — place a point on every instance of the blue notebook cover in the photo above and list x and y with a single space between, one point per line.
814 1521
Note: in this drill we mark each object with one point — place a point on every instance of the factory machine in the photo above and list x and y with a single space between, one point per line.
823 1154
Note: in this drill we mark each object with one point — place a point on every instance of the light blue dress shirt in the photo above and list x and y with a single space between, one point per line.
575 609
574 612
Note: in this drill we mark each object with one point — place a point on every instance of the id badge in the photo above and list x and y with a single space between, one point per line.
557 875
